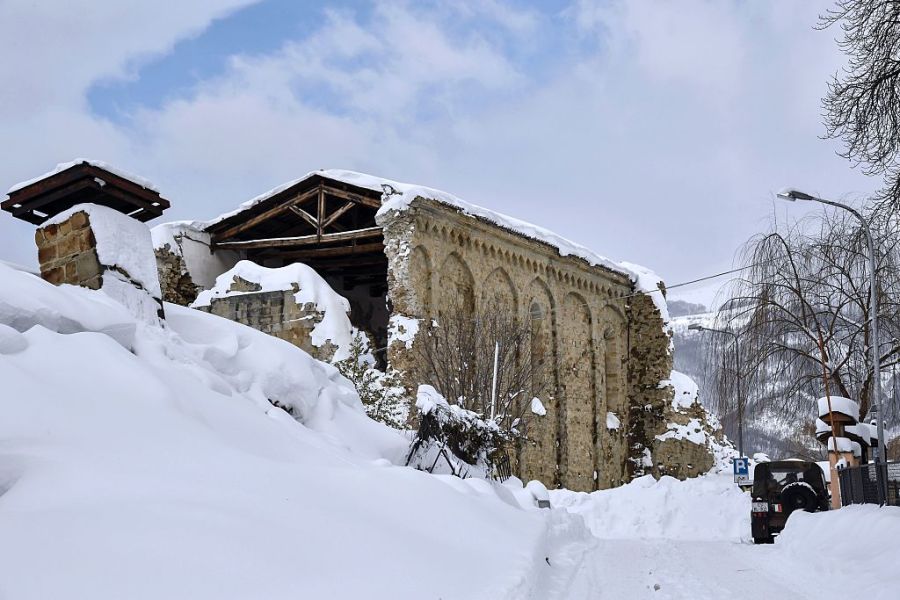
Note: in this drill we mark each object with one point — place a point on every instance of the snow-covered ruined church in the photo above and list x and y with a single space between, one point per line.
397 258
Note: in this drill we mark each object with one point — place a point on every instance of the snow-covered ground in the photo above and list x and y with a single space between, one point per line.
691 539
147 461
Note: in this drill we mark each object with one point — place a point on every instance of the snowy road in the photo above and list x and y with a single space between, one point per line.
690 540
696 570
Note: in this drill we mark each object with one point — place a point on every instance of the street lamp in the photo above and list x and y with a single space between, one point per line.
737 361
794 195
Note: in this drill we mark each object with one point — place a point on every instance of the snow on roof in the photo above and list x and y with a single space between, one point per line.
839 404
96 163
398 196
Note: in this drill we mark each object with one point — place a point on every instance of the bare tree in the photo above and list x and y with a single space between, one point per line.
862 105
802 310
481 363
458 353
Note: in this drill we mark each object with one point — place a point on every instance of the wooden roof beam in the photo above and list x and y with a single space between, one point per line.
302 240
264 216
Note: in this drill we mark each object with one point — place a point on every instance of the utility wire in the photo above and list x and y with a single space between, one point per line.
668 287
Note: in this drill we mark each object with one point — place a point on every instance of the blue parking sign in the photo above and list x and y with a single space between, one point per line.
742 470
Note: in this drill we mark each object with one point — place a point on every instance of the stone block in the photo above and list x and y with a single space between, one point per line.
46 253
78 221
50 231
56 275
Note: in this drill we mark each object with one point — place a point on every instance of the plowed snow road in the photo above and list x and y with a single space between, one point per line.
663 569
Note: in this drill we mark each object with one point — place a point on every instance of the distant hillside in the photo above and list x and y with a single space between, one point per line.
770 433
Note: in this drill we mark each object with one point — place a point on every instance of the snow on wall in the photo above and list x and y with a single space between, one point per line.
398 196
335 326
402 330
121 242
686 390
144 183
612 422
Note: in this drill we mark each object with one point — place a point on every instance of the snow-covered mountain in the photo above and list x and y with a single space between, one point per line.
764 431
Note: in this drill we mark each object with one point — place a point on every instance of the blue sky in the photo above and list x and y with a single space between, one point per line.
652 132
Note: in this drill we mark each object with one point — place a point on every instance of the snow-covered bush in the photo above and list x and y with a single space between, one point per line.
381 392
451 439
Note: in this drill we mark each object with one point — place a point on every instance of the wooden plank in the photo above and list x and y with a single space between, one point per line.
263 216
54 196
359 199
317 253
305 216
320 213
337 214
303 240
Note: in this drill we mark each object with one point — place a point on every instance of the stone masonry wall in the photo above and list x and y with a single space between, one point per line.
67 253
177 285
579 318
275 313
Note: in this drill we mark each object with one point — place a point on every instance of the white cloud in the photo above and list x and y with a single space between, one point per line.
659 143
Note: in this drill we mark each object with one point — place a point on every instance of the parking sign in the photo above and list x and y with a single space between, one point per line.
742 471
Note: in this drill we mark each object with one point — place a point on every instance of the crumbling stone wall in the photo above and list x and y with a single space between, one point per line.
174 278
276 313
605 350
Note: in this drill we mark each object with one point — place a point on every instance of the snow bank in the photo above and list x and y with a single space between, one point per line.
132 450
710 507
872 559
144 183
398 196
335 326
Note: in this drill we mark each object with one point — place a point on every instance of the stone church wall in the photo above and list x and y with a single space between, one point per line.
604 352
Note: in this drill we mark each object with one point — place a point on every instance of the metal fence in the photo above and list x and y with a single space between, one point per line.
871 484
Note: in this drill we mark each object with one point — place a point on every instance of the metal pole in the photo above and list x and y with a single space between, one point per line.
494 384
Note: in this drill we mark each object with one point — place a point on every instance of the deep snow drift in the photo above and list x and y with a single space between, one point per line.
139 461
146 462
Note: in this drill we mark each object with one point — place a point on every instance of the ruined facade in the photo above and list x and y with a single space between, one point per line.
406 254
584 329
602 342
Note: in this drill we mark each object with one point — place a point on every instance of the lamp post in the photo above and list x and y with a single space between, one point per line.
794 195
737 372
